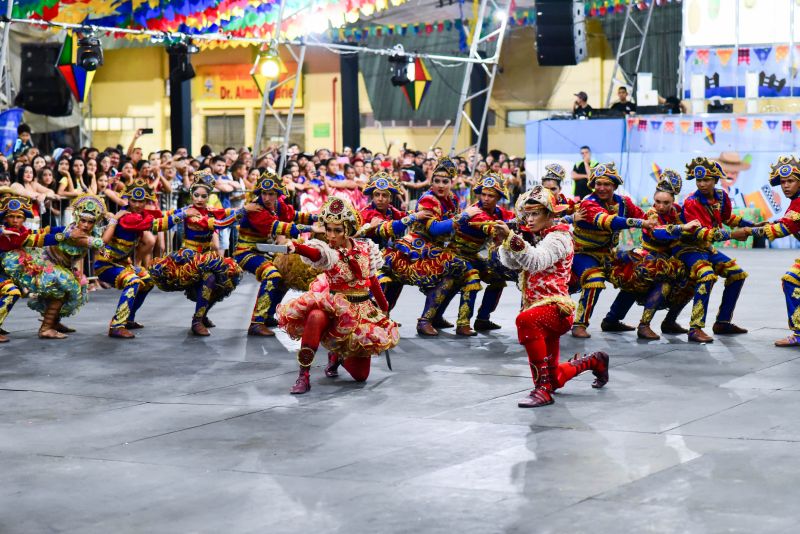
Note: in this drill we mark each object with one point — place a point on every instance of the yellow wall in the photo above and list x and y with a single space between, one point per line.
133 83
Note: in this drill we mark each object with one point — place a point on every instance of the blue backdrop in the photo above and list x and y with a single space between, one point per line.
643 146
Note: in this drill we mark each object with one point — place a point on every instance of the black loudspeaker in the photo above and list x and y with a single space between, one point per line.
42 87
180 66
560 32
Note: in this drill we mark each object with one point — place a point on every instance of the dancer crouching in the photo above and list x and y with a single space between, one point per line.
338 310
544 252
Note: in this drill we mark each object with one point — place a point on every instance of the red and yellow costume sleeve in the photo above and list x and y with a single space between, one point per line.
787 225
599 217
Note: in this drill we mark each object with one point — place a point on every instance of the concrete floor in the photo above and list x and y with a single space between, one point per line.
171 433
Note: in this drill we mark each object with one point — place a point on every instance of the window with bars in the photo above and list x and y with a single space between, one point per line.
119 124
224 131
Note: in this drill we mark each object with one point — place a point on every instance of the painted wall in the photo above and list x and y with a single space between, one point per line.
131 84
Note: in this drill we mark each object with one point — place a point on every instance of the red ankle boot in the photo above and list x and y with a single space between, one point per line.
332 369
303 383
597 362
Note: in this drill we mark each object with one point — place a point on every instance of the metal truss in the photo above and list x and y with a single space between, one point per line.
489 65
285 126
6 84
618 75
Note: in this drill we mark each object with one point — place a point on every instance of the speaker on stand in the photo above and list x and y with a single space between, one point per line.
560 32
42 87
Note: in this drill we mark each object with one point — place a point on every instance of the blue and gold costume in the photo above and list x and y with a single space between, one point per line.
114 266
704 262
787 168
421 259
261 227
196 267
652 272
596 238
471 236
394 226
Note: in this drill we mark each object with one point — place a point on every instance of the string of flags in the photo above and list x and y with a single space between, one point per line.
709 128
601 8
518 17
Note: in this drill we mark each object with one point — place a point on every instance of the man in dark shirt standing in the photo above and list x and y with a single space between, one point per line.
581 108
581 172
624 105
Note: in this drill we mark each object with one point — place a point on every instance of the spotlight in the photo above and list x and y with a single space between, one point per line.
90 53
270 67
402 68
499 15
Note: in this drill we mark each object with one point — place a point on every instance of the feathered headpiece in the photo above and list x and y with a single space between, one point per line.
12 203
204 179
139 189
491 180
537 195
554 171
88 206
382 182
700 168
605 171
339 211
669 181
447 166
785 166
269 181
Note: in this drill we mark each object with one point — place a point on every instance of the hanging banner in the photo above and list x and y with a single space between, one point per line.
227 83
744 151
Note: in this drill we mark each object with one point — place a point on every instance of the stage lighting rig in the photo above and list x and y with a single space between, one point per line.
90 52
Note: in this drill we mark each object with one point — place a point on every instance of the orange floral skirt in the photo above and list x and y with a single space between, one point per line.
357 329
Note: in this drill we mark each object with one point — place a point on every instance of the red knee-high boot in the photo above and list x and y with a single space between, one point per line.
316 324
539 361
357 367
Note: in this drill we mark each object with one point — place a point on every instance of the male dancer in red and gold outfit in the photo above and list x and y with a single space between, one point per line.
712 208
604 214
544 252
267 216
786 174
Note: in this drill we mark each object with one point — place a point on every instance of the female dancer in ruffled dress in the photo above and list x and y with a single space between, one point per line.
51 273
344 309
197 268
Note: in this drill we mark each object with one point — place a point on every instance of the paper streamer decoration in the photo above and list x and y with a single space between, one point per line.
724 55
416 90
78 79
709 136
741 123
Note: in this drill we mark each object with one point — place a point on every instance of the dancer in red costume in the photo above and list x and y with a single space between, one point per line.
344 308
544 251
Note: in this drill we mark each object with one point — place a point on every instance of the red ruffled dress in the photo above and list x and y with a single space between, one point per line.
358 327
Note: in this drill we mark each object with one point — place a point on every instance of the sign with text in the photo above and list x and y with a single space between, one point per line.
227 83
